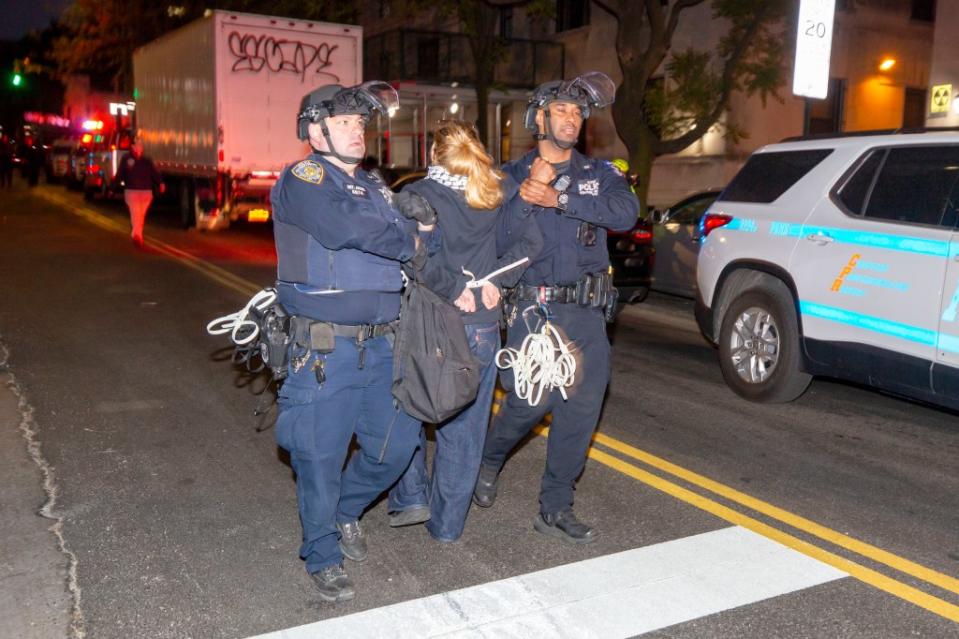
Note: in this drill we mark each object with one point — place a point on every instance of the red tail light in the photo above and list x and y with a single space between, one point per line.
641 236
93 169
713 221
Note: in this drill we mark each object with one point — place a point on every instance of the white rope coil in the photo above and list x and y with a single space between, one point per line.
243 330
541 363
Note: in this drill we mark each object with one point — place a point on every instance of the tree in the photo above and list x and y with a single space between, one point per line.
101 35
661 114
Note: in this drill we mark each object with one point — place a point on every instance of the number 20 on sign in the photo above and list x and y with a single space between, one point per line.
813 48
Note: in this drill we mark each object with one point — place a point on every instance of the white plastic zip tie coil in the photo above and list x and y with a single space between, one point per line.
542 362
242 329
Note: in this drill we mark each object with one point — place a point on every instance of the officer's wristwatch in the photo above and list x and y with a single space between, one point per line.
562 201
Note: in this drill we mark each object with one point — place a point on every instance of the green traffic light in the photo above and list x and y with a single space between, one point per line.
17 79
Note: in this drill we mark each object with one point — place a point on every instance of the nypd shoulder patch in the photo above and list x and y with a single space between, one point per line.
308 171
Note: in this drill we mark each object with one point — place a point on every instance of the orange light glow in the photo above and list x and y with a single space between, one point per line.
258 215
887 64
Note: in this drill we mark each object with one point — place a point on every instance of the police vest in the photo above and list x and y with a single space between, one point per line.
314 268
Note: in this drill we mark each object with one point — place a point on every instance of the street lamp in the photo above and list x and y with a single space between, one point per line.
887 64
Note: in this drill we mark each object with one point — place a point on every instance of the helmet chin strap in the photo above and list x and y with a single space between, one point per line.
333 152
565 146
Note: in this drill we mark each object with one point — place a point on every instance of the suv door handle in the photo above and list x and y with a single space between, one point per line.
820 238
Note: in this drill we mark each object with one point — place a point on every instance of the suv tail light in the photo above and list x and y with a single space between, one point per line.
641 235
712 221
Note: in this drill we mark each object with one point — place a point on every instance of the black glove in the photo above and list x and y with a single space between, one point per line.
415 207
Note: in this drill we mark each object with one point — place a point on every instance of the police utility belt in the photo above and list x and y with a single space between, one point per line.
314 336
594 290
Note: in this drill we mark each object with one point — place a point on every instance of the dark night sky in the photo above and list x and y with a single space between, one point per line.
20 16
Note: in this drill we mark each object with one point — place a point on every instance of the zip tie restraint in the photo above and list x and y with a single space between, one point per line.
241 328
475 283
542 362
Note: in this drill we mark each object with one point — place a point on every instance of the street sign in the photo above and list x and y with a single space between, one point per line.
941 98
813 47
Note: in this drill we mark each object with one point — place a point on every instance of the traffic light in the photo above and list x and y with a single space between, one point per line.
16 80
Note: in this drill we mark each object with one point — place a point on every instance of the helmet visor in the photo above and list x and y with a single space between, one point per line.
365 99
596 87
381 96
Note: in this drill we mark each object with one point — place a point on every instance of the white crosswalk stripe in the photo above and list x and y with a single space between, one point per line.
619 595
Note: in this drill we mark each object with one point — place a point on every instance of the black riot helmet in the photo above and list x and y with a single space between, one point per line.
333 99
592 90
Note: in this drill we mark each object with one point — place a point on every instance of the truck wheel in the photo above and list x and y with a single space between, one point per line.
759 347
187 205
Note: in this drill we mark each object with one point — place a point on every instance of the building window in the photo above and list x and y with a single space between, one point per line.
914 109
924 10
506 23
428 58
825 116
571 14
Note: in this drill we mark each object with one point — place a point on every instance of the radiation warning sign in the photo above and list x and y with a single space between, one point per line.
941 98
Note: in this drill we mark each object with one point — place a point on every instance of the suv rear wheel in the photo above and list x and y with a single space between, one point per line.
759 347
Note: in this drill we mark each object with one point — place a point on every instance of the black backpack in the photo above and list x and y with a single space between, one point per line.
435 375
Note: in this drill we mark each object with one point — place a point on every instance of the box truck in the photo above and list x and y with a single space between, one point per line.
216 105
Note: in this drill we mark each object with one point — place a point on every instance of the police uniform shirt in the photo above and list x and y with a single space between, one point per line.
317 198
598 194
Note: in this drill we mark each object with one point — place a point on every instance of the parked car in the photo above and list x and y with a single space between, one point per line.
837 257
58 159
632 257
676 238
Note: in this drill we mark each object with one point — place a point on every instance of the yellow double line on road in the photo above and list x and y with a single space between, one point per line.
867 575
212 271
862 573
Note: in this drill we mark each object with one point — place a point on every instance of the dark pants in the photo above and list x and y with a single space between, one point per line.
459 447
574 420
317 421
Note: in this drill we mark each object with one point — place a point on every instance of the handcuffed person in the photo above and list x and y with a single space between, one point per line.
471 199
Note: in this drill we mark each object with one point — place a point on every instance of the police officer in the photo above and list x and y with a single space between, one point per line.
340 245
575 199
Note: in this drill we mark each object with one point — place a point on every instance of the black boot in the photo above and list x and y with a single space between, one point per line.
333 584
565 526
484 494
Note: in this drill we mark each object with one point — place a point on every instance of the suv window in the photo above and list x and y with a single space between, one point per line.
914 185
766 176
856 189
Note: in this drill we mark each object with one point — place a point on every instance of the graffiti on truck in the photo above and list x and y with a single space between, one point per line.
254 53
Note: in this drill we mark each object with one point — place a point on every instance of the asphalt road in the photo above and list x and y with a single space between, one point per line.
182 518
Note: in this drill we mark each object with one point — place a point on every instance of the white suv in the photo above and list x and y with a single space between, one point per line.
837 257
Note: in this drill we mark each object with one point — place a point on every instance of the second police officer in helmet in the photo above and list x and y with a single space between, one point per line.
340 244
575 199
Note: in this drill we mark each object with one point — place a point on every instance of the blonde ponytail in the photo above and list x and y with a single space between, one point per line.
458 149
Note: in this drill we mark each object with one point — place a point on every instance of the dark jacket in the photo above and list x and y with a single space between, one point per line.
138 174
474 239
599 196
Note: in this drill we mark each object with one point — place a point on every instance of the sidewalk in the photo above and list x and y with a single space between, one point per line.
34 600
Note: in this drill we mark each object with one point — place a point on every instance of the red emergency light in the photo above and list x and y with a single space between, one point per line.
92 125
